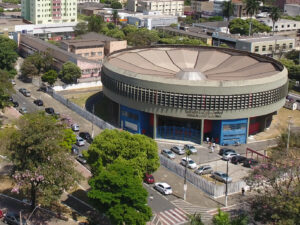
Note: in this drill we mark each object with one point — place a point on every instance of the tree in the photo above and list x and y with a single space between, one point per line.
8 55
129 29
276 183
28 70
116 16
275 16
252 7
293 69
138 150
228 9
39 151
118 192
81 28
50 77
142 37
116 33
6 89
222 218
95 23
195 219
182 41
239 26
116 5
1 10
70 73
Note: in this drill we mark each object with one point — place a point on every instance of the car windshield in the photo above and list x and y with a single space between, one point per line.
168 188
191 162
224 175
169 152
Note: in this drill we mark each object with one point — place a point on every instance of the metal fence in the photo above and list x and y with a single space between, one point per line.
82 112
209 188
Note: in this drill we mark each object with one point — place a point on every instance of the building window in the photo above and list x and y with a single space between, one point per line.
294 25
291 45
93 53
276 27
264 48
284 46
288 25
99 53
270 47
277 46
256 48
86 54
282 26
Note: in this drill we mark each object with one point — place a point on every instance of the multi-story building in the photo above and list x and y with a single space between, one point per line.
281 3
292 9
167 7
282 24
49 11
198 7
85 1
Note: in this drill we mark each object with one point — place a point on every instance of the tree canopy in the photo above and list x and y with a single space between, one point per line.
142 37
81 28
293 69
116 5
6 89
277 184
137 150
50 77
240 26
119 193
69 73
8 54
95 23
40 152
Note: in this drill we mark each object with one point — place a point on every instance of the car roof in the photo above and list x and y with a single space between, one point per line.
164 184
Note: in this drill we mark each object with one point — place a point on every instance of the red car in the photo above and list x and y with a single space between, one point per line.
1 214
149 179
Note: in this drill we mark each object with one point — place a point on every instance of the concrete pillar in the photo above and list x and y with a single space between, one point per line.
202 131
119 115
154 125
248 125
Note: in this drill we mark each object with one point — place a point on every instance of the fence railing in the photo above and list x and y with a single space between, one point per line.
82 112
208 187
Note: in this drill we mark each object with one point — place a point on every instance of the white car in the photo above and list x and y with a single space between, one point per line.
228 155
191 148
178 150
80 141
191 164
163 188
168 153
75 127
23 110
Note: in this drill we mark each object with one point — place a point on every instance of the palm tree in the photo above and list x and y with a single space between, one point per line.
195 219
275 16
115 16
228 9
252 7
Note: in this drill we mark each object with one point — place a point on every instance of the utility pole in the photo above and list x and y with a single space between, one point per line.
185 185
93 120
21 217
289 131
226 187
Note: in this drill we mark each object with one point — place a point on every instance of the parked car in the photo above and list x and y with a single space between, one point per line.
191 148
11 99
149 179
13 219
86 136
224 150
75 150
81 159
23 110
238 159
205 169
79 141
27 93
22 90
75 127
15 104
50 111
190 163
228 155
13 82
220 176
250 162
178 150
38 102
168 153
163 188
1 214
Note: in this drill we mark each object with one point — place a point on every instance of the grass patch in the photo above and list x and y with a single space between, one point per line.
80 98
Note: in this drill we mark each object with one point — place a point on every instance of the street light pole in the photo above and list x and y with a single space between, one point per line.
32 213
186 164
289 131
93 120
226 187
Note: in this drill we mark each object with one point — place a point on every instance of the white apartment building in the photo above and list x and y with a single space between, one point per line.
281 24
85 1
49 11
166 7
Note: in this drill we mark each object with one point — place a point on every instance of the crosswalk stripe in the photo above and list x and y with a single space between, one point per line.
178 220
161 218
181 212
180 215
167 217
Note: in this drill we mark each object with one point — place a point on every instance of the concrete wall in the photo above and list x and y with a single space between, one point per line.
111 46
292 10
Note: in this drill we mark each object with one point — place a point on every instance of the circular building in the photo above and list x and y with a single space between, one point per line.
190 93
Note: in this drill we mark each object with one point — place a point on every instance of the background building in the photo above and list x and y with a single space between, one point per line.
167 7
189 93
292 9
198 7
49 11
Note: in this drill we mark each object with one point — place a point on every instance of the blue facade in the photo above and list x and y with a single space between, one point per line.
233 131
179 133
135 121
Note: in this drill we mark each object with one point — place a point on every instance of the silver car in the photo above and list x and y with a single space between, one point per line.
191 148
168 153
178 150
205 169
223 177
23 110
80 141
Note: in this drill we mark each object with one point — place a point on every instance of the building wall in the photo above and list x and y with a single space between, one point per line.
282 25
292 10
49 11
90 53
111 46
199 6
84 1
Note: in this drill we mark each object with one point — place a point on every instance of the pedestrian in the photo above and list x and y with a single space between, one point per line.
214 144
212 149
207 140
212 140
243 191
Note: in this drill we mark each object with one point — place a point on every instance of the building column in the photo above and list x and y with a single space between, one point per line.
154 126
248 125
202 131
119 116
